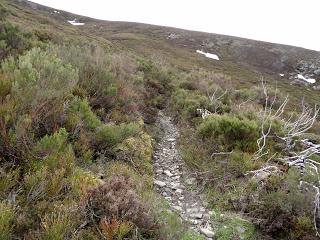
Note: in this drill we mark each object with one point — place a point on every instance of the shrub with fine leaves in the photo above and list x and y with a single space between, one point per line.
116 199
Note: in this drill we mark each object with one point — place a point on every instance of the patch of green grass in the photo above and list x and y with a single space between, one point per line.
233 227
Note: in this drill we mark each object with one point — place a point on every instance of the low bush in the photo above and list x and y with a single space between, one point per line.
137 151
40 85
81 181
110 135
230 131
49 173
60 224
187 102
8 179
283 209
80 112
7 220
13 41
116 200
246 94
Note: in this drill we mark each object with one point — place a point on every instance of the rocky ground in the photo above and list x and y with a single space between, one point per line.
175 184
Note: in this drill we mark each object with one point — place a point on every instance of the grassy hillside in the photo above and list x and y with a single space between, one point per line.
77 129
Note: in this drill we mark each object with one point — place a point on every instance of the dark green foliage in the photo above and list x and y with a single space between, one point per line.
283 208
3 12
109 135
7 220
187 102
48 174
12 40
40 85
230 131
105 135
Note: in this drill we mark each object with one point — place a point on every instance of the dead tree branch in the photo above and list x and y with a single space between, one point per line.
269 114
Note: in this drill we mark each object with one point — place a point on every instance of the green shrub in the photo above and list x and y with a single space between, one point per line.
55 151
187 102
8 179
240 163
246 94
80 111
95 74
7 220
137 151
188 85
40 85
283 208
110 135
13 41
230 131
116 199
48 175
81 181
4 12
60 224
235 228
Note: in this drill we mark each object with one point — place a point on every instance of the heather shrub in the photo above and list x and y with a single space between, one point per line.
55 151
141 182
7 220
49 173
230 131
111 82
187 102
137 151
110 135
116 199
82 147
188 85
240 162
283 208
4 12
13 41
40 85
80 112
81 181
115 229
246 94
8 179
59 224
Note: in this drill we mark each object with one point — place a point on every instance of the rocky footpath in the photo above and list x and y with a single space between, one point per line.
175 184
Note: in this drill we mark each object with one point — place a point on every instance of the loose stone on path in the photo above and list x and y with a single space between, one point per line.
172 181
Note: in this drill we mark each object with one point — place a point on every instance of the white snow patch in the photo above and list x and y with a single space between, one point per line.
209 55
281 75
74 23
55 11
309 80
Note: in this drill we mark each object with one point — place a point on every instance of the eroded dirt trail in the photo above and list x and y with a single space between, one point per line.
174 183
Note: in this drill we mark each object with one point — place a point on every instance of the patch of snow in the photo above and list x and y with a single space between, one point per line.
55 11
209 55
281 75
74 23
309 80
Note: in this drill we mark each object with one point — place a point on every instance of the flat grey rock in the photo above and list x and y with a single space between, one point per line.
159 183
168 173
207 232
196 215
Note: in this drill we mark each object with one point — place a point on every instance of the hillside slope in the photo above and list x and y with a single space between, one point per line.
82 151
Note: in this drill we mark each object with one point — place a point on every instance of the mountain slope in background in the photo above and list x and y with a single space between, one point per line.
84 102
